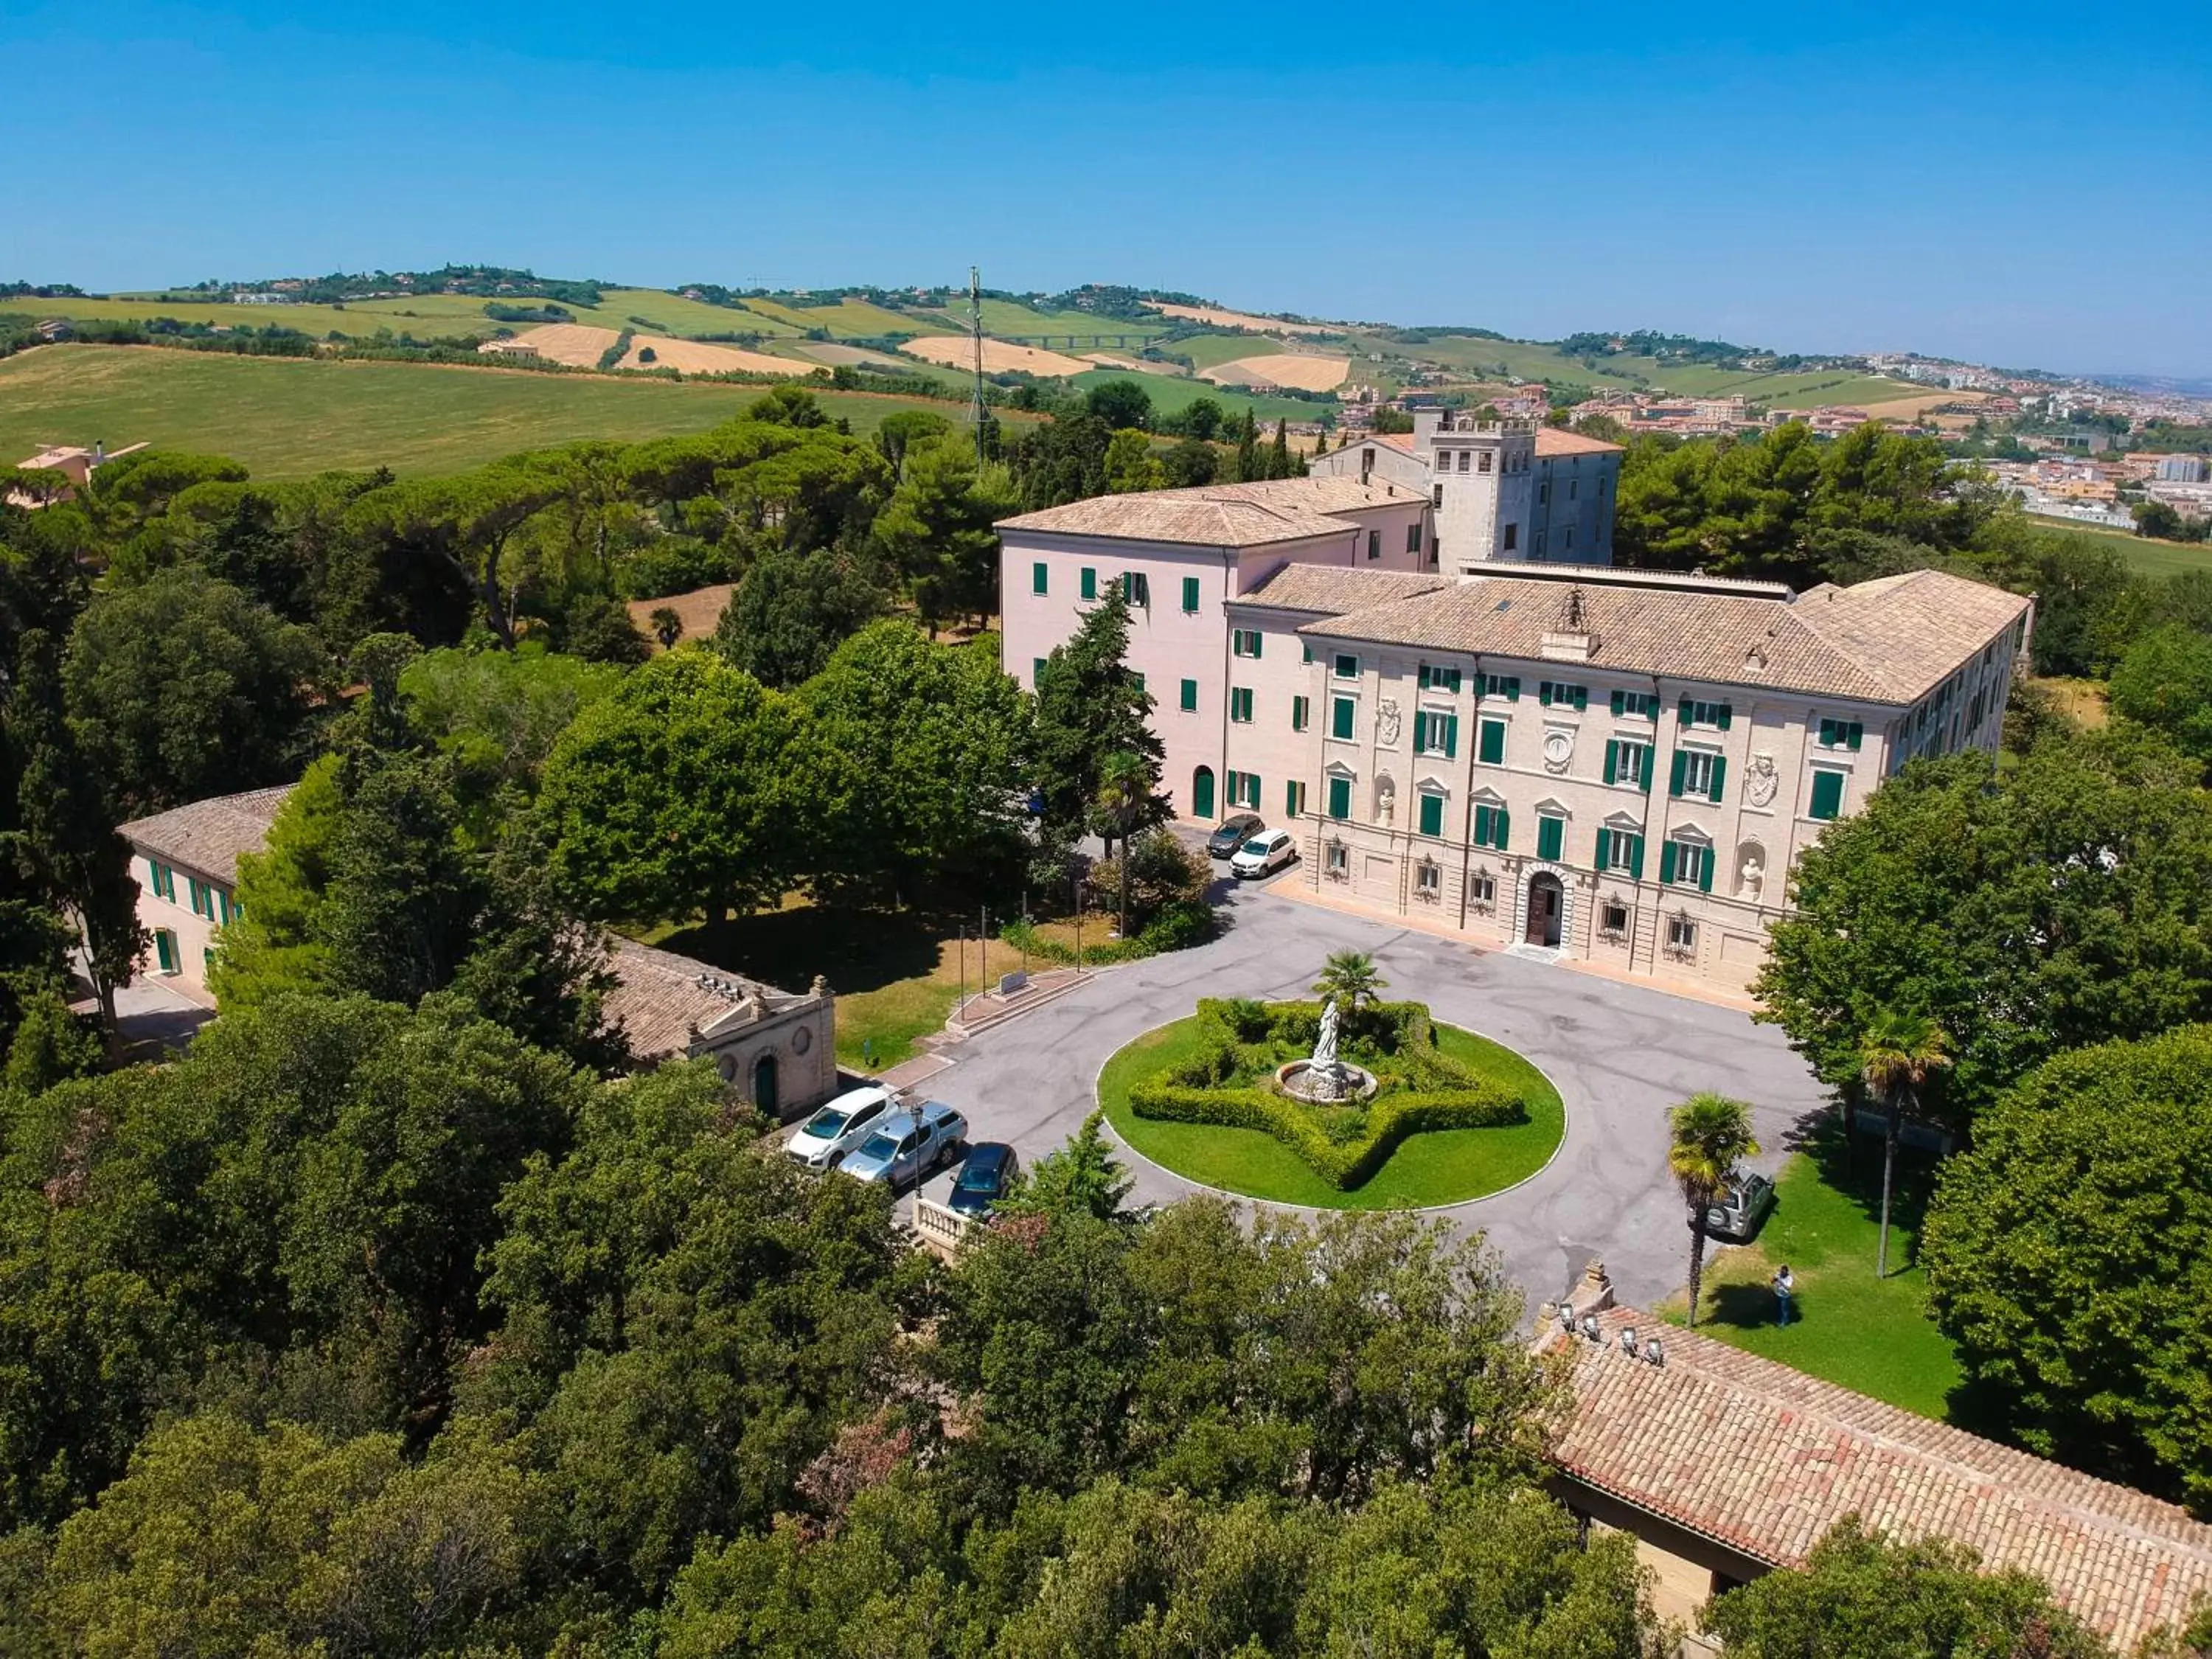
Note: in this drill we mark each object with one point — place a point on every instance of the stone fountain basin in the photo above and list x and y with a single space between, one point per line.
1299 1081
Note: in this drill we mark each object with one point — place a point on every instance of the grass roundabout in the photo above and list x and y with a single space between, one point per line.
1429 1167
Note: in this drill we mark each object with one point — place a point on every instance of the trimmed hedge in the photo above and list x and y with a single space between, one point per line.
1177 928
1418 1088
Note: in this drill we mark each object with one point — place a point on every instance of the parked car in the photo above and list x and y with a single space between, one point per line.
908 1146
1735 1215
823 1140
1235 830
1264 854
984 1178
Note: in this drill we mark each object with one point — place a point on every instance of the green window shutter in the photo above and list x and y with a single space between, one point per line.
1720 777
1040 578
1612 759
1682 711
1090 583
1340 798
1190 593
1853 734
1636 858
1645 773
1668 850
1582 699
1674 783
1618 700
1512 688
1493 743
1420 733
1421 678
1301 711
1827 738
1290 801
165 950
1728 713
1706 870
1037 670
1258 640
1305 651
1189 700
1432 815
1827 794
1505 828
1604 847
1451 735
1340 718
1550 833
1252 789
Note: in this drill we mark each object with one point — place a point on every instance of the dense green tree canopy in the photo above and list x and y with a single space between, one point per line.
2164 682
2025 910
2064 1255
1090 708
793 608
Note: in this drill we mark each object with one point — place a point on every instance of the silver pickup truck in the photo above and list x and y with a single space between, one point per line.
909 1147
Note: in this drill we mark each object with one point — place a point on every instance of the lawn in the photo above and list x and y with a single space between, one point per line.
2149 557
1443 1167
1850 1328
1008 319
896 974
849 318
284 416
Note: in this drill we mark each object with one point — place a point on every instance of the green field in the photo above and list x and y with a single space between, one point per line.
1444 1166
2151 558
284 416
1008 319
1867 1334
847 319
1171 393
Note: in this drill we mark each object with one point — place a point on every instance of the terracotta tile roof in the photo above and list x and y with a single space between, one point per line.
658 998
1765 1459
1888 641
1396 440
1555 440
1219 516
207 835
1329 590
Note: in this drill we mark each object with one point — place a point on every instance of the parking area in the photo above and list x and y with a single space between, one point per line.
1620 1055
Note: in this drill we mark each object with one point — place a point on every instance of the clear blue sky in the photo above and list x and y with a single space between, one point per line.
2027 184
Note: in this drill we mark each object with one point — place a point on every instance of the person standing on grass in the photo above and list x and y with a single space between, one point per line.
1785 1288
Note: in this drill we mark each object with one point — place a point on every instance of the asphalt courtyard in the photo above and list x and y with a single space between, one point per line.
1619 1055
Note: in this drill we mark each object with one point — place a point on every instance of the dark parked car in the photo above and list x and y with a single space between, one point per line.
1736 1213
1234 832
984 1178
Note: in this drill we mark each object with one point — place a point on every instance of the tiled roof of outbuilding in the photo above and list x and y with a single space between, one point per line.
207 835
659 998
1329 590
1766 1459
1220 516
1889 642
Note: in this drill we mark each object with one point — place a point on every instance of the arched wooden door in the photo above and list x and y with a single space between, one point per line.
764 1085
1546 901
1201 792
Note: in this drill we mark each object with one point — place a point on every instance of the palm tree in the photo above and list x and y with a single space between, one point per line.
667 626
1350 977
1712 1138
1898 1056
1124 794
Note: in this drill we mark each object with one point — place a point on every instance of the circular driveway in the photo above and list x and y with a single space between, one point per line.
1620 1055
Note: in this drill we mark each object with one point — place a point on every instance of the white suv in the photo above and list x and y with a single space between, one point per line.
834 1130
1264 854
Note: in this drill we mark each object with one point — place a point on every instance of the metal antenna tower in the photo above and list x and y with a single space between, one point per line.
975 332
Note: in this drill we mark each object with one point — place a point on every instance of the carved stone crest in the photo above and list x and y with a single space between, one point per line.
1761 779
1559 748
1386 722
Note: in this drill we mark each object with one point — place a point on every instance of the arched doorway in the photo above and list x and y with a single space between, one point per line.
764 1085
1201 792
1547 899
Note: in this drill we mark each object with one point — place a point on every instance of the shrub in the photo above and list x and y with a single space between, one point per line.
1420 1088
675 564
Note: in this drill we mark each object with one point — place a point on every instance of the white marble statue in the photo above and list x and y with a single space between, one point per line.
1324 1054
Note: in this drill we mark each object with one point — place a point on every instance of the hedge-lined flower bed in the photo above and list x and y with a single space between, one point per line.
1229 1081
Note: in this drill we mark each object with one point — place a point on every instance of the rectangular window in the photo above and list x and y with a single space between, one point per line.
1439 679
1512 537
1429 879
1294 800
1628 762
1492 750
1551 835
1088 583
1347 666
1439 500
1507 686
1636 705
1485 467
1432 814
1036 672
1374 544
1244 642
1540 544
201 895
1188 700
1482 890
226 907
1040 578
1622 850
1301 713
1240 705
1251 795
1339 860
1492 827
1827 793
1436 734
1341 717
1554 694
1137 588
162 881
1305 651
1841 734
165 951
1694 713
1190 593
1340 798
1681 933
1698 772
1136 678
1686 864
1612 917
1413 537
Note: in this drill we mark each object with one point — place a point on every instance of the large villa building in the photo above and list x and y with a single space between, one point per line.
1619 766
